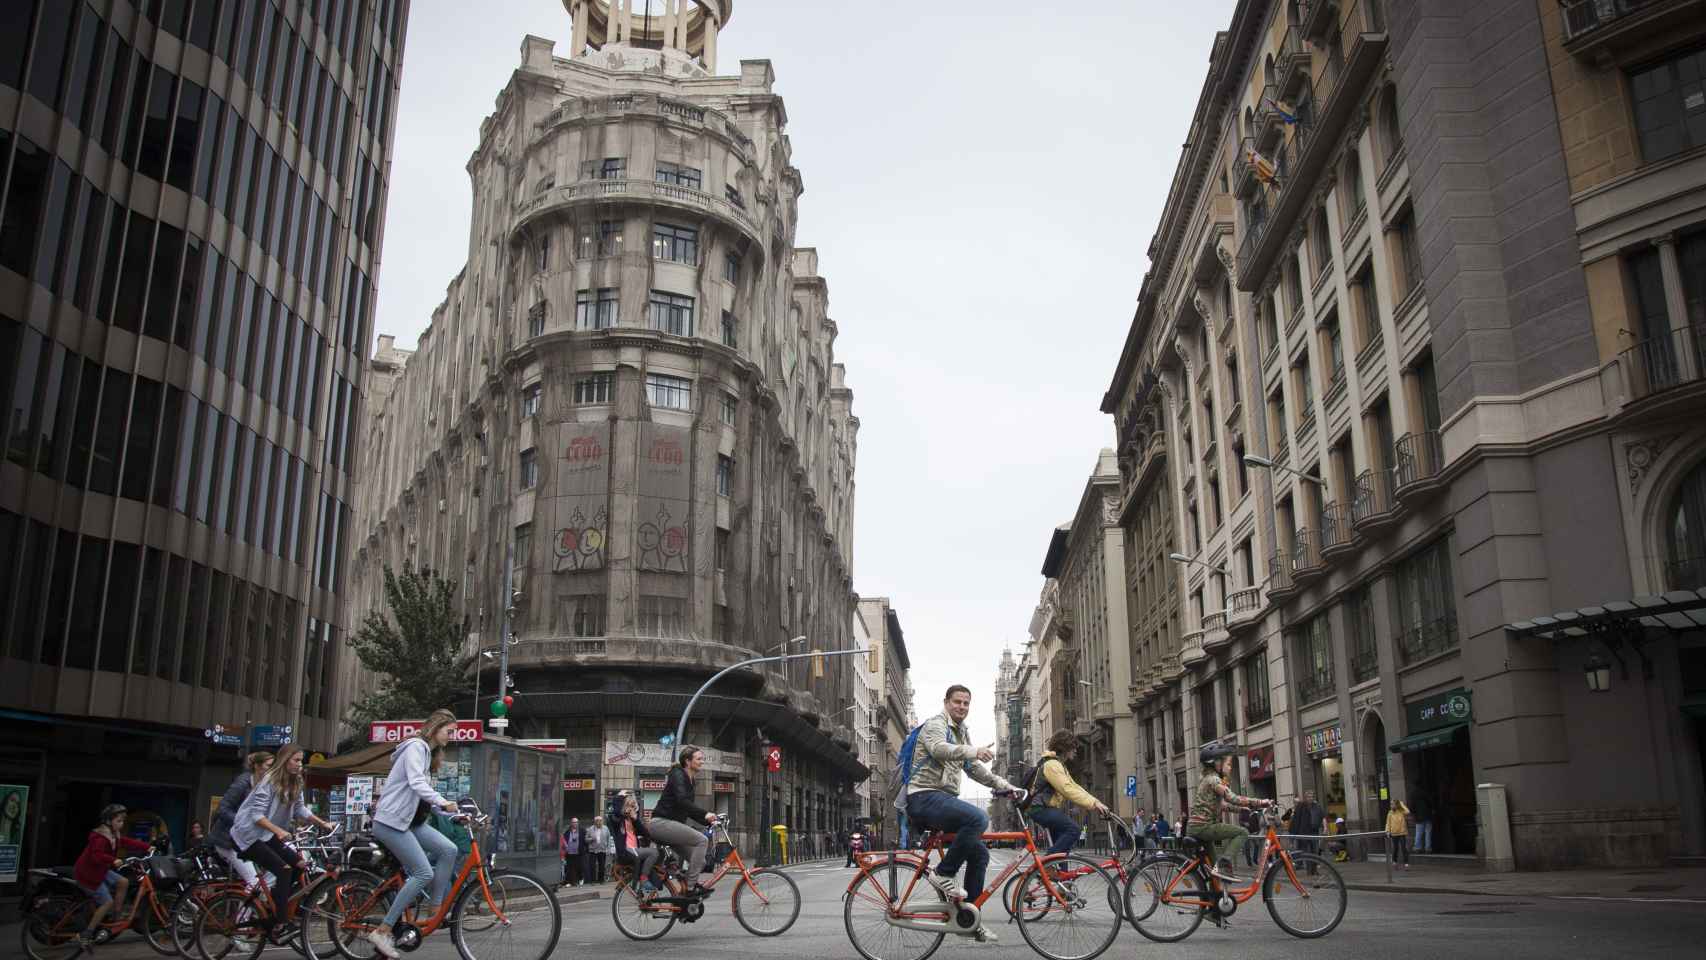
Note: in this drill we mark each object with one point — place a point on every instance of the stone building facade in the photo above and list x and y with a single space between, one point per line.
893 715
627 412
1433 265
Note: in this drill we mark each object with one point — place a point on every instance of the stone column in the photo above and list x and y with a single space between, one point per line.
579 38
711 27
1676 310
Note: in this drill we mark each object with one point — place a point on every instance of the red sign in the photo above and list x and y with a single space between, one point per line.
653 784
667 453
773 758
580 785
722 786
396 731
584 450
1262 763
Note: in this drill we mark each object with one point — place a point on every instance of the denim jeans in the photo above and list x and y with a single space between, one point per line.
1062 830
425 856
1424 837
937 810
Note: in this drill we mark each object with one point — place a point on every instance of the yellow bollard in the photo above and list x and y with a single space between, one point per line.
781 832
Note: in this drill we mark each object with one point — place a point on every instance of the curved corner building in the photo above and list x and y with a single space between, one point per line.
630 389
191 200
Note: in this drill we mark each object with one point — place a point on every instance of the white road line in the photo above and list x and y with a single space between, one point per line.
1635 899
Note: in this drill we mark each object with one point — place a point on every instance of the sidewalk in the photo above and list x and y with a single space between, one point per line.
1632 883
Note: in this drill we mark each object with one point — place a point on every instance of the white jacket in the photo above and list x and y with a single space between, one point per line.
406 785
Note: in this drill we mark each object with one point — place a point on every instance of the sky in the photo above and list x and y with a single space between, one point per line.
981 182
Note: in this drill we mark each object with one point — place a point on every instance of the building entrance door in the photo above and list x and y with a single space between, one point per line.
1445 777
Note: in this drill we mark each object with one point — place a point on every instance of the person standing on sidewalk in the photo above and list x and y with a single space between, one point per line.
599 841
574 850
1307 819
1422 815
1398 833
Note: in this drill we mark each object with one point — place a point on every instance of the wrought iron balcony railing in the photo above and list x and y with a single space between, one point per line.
1419 457
1428 639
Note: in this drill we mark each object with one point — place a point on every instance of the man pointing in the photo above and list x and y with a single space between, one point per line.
933 797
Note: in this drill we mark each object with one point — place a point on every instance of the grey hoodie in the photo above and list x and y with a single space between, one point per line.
406 785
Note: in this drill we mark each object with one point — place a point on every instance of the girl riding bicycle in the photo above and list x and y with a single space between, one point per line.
628 828
400 823
259 833
255 766
94 870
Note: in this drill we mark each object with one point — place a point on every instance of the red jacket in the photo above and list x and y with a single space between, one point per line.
100 855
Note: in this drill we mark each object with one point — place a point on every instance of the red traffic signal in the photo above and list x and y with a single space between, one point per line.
509 701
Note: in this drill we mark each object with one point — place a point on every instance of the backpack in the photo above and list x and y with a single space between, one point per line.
1039 791
902 775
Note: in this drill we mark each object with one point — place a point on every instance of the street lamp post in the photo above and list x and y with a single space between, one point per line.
681 728
1255 461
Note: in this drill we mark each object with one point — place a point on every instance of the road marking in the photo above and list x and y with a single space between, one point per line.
1636 899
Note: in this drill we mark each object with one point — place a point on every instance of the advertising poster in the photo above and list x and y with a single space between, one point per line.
358 794
550 800
506 798
14 807
661 533
526 802
583 496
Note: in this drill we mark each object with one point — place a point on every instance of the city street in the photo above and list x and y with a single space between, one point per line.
1377 924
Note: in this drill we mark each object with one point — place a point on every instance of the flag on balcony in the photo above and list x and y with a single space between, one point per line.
1281 109
1262 167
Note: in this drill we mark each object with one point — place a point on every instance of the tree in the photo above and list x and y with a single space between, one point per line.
419 655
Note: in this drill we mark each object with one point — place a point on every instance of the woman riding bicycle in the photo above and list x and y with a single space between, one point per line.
1210 802
400 823
94 869
1052 787
676 807
258 830
255 766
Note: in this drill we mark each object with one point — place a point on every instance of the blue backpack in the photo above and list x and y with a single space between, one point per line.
902 775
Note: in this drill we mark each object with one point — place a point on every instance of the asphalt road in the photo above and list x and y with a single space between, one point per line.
1380 925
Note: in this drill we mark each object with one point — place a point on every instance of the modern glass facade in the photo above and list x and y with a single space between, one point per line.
191 194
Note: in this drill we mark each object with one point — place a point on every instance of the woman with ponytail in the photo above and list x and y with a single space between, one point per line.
400 822
259 831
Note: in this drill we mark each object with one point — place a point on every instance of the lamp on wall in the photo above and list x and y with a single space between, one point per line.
1597 671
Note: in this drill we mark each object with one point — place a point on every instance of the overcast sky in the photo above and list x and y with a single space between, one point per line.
982 180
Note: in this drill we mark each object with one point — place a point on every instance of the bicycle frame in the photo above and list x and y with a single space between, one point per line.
729 864
1271 846
474 863
116 923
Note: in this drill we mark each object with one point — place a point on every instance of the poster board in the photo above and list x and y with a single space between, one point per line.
14 820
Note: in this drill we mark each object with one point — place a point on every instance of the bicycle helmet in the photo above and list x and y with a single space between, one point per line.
112 810
1213 751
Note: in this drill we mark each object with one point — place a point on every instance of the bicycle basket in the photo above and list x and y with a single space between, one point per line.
163 869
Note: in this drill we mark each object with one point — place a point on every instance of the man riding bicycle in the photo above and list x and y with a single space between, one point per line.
933 798
1210 802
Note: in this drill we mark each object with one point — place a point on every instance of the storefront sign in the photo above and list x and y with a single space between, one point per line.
396 731
722 786
1439 710
1262 763
653 784
658 755
585 784
1322 741
337 802
14 807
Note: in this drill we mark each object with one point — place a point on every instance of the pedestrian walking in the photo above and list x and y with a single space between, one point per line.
855 846
1252 823
599 841
1307 819
1398 833
574 853
1422 816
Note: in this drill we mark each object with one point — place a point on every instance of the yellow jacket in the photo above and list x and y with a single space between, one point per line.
1060 778
1398 821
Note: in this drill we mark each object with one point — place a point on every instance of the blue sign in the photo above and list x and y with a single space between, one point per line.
1131 786
223 739
667 739
269 735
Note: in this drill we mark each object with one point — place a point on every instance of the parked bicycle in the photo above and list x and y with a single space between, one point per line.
1067 906
491 912
765 901
1170 895
57 911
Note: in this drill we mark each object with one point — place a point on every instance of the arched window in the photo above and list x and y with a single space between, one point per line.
1391 134
1291 14
1268 69
1686 566
1249 123
1350 187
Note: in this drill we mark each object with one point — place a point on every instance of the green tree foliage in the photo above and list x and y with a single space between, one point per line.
417 651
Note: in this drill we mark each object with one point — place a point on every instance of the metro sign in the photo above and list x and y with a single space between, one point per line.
396 731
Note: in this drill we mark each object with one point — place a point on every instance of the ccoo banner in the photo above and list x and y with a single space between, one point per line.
578 538
661 534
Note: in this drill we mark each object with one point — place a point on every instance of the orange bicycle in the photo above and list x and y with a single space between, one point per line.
766 901
1069 908
1169 895
1119 868
53 921
490 912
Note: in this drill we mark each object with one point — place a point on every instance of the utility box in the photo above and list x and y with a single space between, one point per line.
1495 833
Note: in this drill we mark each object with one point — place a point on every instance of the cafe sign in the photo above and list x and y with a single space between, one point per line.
1323 741
1439 710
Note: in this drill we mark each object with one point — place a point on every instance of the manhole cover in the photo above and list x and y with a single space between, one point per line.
1474 913
1655 888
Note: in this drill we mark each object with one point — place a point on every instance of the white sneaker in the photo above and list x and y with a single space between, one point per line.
384 944
947 885
984 935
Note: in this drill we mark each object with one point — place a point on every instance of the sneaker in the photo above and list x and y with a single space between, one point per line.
384 944
85 942
984 935
947 885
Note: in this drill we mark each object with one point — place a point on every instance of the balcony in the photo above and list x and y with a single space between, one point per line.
1306 562
1365 660
1601 29
1431 638
1280 584
1374 508
1338 537
1214 635
1318 17
1419 461
1294 56
634 191
1664 363
1190 649
1315 685
1243 607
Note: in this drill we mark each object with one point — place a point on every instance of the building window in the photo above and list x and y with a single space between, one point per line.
728 408
733 196
543 251
530 400
679 174
595 309
720 623
725 476
731 330
529 469
1270 323
523 544
1305 388
1670 105
1407 253
662 617
1367 307
1350 188
536 318
605 240
1233 386
610 168
1426 615
595 388
671 313
669 393
1204 694
585 616
731 267
1314 660
1685 566
1257 706
1294 285
1334 341
722 549
1320 243
675 244
1359 619
1391 133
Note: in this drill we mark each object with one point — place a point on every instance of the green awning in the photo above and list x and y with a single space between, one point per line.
1432 738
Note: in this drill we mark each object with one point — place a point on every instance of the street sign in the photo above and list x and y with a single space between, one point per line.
667 739
1131 786
396 731
773 758
269 735
220 738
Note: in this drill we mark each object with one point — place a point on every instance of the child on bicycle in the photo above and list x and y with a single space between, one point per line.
628 828
1212 799
94 869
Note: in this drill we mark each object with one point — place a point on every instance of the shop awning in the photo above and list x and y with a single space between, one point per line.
1677 610
1437 737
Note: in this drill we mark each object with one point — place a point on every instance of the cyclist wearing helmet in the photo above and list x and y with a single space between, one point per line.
94 870
1210 803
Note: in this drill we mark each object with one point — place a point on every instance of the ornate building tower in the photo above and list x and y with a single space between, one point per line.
630 389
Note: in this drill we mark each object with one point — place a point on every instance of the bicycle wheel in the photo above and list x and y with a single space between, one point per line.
636 920
865 912
154 922
1069 908
183 920
50 931
1176 900
526 920
341 919
229 925
767 903
1307 901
